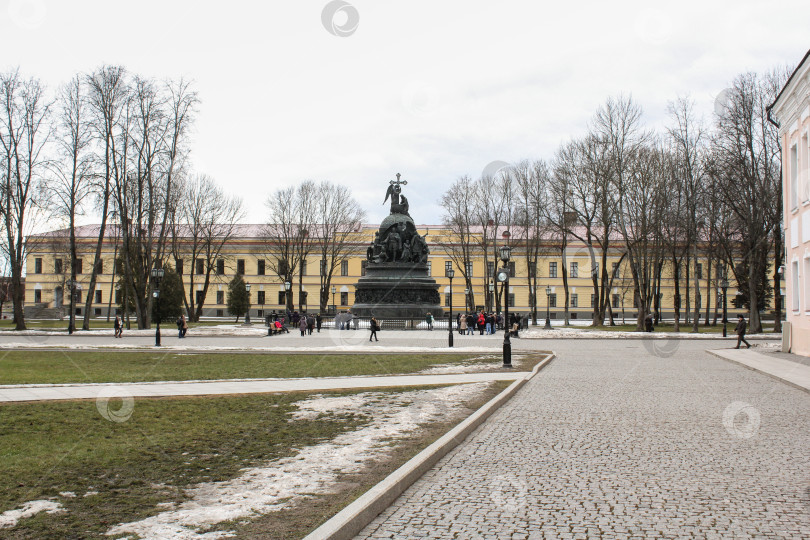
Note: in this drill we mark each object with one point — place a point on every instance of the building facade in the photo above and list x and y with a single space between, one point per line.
791 110
248 254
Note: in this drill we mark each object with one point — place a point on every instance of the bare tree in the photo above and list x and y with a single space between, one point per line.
72 170
747 155
24 132
461 244
207 221
107 98
337 217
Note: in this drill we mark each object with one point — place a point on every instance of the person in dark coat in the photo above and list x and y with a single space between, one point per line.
118 326
302 325
318 322
374 327
740 329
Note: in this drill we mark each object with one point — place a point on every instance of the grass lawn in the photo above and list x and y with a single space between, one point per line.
120 471
28 367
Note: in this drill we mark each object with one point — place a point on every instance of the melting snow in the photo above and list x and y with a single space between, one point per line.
314 470
10 518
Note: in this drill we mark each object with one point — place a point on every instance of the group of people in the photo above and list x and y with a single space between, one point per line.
486 323
305 322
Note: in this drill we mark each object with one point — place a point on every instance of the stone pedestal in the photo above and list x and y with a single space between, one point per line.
397 290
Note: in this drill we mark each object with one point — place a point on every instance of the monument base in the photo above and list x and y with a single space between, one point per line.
397 290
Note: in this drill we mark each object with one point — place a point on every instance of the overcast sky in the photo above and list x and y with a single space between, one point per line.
357 91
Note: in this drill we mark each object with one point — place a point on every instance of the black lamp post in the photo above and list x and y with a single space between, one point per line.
450 275
548 310
491 293
466 299
724 286
72 314
247 315
157 275
287 286
334 306
503 277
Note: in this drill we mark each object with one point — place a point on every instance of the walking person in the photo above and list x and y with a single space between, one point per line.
741 327
118 326
184 328
374 327
462 326
302 325
318 322
470 325
429 320
179 323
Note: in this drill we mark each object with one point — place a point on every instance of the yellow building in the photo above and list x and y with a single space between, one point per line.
248 253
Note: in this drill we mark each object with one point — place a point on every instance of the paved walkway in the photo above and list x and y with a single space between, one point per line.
789 371
35 392
624 441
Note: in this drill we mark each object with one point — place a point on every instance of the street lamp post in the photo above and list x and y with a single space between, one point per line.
334 306
503 277
247 315
724 286
548 310
491 293
466 299
450 275
287 286
157 275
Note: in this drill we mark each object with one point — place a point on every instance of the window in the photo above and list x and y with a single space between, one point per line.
282 267
552 300
260 297
344 299
448 265
490 269
532 270
220 267
260 268
303 267
38 265
199 298
794 177
468 268
511 299
795 281
323 267
344 268
240 267
363 268
38 296
574 269
200 266
282 298
57 266
118 296
97 311
78 266
430 268
593 300
805 193
616 301
119 266
220 297
574 300
100 267
178 266
699 270
220 313
78 294
447 299
78 311
615 270
552 269
98 297
806 283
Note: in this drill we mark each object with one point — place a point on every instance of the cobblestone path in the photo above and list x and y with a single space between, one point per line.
620 440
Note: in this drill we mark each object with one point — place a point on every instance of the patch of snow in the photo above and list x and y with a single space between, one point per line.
90 494
67 494
10 518
314 470
562 333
